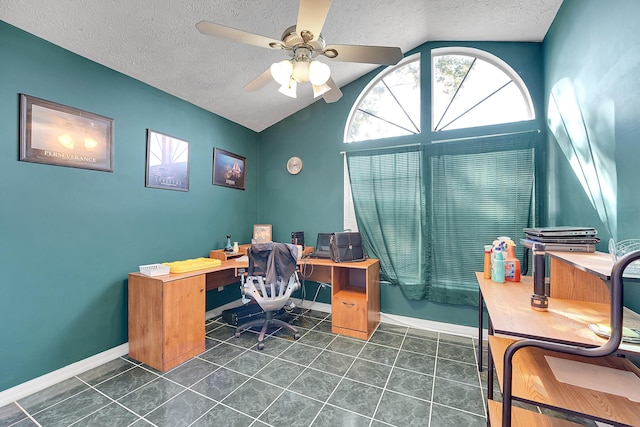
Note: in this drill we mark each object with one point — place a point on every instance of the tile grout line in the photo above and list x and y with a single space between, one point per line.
304 368
246 350
484 398
388 377
27 414
275 358
342 379
298 376
433 385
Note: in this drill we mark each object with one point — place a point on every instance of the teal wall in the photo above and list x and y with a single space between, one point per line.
312 200
595 47
68 237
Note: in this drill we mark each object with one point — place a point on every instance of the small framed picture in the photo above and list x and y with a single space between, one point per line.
55 134
228 169
167 162
262 233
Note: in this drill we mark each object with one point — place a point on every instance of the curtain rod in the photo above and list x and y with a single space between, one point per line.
443 140
486 136
382 148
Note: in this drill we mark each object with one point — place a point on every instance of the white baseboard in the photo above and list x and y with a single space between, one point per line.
47 380
412 322
448 328
25 389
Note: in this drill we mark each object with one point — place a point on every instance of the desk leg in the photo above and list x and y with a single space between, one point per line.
489 366
480 321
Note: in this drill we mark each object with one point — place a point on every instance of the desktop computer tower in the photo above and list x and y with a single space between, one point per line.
297 238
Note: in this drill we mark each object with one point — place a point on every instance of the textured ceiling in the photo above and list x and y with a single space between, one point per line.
155 41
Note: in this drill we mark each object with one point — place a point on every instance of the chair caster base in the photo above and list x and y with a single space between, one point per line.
260 346
296 336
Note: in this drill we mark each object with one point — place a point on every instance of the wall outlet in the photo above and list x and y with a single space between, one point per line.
220 288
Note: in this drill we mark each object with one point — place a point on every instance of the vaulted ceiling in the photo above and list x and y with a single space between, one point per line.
156 42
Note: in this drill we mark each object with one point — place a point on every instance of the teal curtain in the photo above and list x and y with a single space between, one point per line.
388 198
427 211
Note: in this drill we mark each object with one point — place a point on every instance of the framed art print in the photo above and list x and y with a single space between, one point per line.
59 135
262 233
167 162
229 169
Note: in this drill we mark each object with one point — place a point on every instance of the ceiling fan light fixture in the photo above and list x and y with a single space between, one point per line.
289 88
319 73
301 71
319 90
281 72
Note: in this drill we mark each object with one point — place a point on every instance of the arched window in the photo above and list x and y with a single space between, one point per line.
424 205
389 106
472 88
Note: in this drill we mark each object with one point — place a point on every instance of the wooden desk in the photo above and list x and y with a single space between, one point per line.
567 321
355 293
579 295
166 313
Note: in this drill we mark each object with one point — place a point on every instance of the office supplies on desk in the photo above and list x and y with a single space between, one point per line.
322 249
630 335
228 248
347 247
192 264
153 270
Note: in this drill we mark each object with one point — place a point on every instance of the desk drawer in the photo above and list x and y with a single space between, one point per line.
349 311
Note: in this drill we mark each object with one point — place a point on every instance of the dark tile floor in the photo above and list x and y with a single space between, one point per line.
399 377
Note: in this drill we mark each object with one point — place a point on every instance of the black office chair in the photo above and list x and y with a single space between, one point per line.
271 279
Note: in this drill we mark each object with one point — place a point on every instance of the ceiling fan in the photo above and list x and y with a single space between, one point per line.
304 43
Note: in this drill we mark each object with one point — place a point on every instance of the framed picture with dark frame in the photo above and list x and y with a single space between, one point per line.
262 233
228 169
167 162
55 134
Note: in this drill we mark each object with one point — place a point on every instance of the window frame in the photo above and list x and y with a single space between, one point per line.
489 58
416 57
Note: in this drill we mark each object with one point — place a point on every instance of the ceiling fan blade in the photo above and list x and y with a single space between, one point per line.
259 82
311 16
334 94
210 29
365 54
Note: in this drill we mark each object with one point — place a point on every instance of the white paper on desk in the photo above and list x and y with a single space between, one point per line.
243 258
594 377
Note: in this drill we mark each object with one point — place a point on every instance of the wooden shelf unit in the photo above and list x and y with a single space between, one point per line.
225 256
579 295
534 382
524 417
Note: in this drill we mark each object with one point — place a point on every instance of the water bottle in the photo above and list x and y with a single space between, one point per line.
497 268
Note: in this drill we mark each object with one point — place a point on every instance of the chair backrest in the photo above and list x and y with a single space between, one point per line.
272 274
